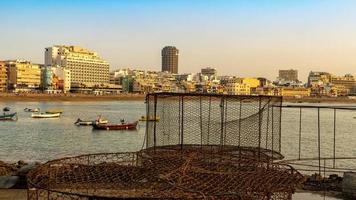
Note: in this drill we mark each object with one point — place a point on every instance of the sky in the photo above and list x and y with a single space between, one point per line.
245 38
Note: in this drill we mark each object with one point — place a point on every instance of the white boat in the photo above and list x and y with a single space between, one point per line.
45 115
100 120
31 110
80 122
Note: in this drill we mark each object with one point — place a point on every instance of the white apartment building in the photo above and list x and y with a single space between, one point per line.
86 67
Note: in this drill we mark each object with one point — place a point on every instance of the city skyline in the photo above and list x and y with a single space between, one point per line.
242 38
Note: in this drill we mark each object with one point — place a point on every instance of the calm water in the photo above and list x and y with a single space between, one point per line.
45 139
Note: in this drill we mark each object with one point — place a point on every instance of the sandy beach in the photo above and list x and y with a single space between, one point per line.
69 97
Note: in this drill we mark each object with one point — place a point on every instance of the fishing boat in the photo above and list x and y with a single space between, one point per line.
54 111
80 122
45 115
122 126
8 116
149 118
31 110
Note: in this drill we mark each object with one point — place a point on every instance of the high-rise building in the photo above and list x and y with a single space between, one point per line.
288 75
170 59
3 77
86 67
23 75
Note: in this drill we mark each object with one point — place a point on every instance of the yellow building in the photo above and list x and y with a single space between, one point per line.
294 92
3 77
23 75
242 86
270 91
347 82
252 82
235 88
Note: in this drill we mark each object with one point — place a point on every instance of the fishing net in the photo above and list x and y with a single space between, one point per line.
202 147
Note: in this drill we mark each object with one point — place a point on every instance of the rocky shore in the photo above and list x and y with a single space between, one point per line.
13 175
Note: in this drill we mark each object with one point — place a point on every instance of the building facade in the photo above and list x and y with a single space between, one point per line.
288 75
170 59
211 73
348 82
294 92
242 86
64 78
86 67
3 77
318 78
23 75
46 78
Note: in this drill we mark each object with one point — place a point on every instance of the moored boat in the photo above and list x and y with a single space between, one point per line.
54 111
8 116
149 118
80 122
31 110
45 115
122 126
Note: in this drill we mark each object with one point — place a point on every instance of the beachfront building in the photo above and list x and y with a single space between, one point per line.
316 79
3 77
86 67
46 78
294 92
267 90
236 88
23 75
348 82
242 86
64 78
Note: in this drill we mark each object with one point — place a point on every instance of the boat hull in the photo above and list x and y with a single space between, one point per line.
150 118
54 111
45 115
89 123
128 126
7 117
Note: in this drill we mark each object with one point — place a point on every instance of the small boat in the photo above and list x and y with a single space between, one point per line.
54 111
8 116
45 115
80 122
122 126
31 110
149 118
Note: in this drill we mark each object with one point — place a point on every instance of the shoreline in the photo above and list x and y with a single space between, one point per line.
6 97
69 97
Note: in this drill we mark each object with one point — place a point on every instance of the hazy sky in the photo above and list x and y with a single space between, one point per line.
242 38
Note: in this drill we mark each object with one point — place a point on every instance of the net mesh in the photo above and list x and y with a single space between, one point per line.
202 147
